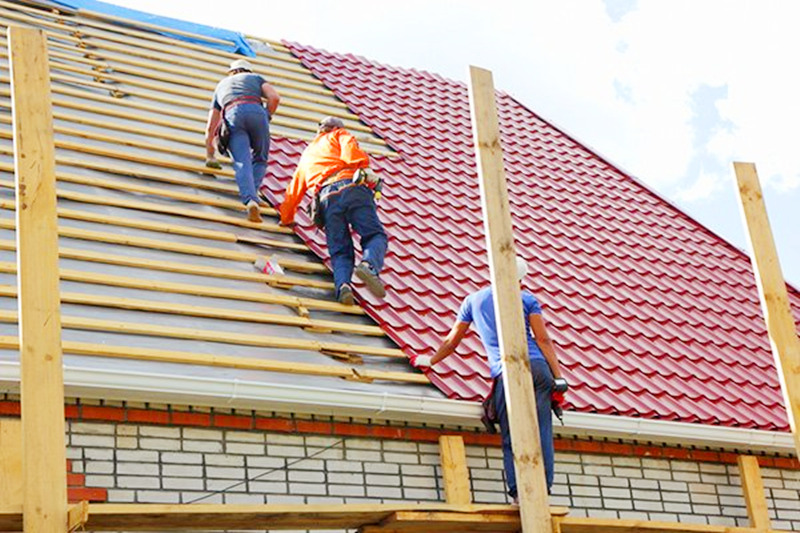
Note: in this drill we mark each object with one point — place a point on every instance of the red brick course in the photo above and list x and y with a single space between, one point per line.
346 429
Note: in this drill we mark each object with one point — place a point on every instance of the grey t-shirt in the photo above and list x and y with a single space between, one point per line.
236 86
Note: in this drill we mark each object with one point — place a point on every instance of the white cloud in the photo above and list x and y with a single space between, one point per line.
703 188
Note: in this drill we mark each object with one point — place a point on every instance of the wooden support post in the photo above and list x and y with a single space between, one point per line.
772 291
10 463
519 394
454 470
753 488
42 381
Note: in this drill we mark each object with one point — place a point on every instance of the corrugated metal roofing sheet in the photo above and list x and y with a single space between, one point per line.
654 315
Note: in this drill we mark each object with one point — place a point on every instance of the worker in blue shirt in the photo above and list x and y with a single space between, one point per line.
478 309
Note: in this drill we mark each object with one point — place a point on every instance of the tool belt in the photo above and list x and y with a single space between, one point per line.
489 416
223 132
315 208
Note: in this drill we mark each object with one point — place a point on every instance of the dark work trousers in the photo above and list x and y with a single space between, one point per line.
344 206
249 147
543 386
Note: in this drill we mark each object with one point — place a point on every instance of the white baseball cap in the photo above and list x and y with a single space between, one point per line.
522 268
241 64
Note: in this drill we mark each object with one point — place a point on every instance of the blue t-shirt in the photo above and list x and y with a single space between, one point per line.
238 85
478 308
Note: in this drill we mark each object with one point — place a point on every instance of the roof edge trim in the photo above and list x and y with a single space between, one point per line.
98 383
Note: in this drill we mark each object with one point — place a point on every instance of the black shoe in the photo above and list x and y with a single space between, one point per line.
346 295
365 273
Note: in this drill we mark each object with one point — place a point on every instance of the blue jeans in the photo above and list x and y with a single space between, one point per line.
543 387
249 147
343 206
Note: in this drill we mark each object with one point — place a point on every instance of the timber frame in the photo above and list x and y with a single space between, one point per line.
33 480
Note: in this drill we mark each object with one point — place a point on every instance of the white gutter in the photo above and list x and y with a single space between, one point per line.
98 383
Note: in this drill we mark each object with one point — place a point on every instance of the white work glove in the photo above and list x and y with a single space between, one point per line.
420 361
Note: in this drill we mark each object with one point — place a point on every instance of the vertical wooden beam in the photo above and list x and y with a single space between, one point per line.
772 291
454 470
753 488
42 382
519 394
10 463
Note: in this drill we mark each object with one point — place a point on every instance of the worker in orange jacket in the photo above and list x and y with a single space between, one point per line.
327 167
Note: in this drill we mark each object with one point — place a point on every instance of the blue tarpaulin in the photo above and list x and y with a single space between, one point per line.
239 44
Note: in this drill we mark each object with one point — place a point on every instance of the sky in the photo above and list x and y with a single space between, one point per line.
671 92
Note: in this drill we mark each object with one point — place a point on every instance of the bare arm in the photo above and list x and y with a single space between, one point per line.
539 331
451 342
214 117
272 97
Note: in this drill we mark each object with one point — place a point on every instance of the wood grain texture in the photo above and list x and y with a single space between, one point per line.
454 470
519 393
42 387
753 489
772 292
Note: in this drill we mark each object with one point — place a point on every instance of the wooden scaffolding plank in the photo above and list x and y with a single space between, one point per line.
610 525
442 522
243 339
223 361
11 461
753 488
781 327
455 473
519 393
42 388
150 517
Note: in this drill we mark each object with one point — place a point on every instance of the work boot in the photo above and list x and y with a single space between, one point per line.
365 273
253 212
346 295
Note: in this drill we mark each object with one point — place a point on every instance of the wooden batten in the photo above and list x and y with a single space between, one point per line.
347 351
219 361
772 291
519 393
42 387
173 308
180 288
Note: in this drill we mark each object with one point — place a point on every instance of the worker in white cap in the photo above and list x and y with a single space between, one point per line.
478 309
238 120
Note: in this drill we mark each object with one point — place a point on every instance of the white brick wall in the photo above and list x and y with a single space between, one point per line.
140 463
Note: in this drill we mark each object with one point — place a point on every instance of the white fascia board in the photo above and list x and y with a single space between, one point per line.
98 383
674 433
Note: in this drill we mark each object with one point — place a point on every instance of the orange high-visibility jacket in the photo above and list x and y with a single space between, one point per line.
329 153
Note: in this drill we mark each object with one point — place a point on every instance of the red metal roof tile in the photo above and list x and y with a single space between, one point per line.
654 315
